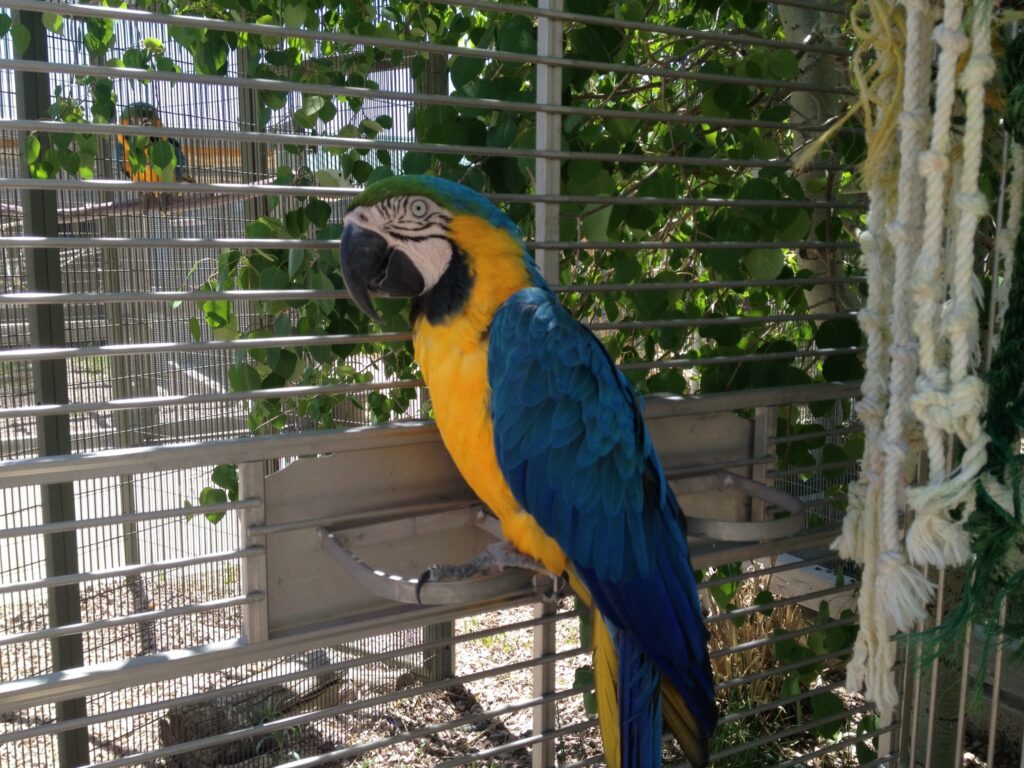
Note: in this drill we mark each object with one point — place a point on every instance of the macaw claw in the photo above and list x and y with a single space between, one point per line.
495 557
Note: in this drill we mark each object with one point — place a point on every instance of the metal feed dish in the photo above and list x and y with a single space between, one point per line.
407 549
391 503
789 523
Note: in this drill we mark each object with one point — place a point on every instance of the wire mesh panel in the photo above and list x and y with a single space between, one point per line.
183 172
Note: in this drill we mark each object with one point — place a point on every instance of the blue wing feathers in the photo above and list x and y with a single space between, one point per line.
639 703
571 442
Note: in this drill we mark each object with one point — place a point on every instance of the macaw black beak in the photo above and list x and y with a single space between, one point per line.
369 264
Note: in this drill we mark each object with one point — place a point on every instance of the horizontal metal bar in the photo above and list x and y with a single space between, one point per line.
160 348
773 705
708 285
842 744
308 294
753 573
49 729
230 25
787 733
640 26
171 401
717 245
586 763
840 9
429 730
738 613
886 760
56 469
135 618
695 362
704 555
288 86
105 677
520 743
822 467
369 517
27 354
775 638
414 46
293 721
31 242
131 570
823 502
108 186
398 145
704 322
780 670
127 519
823 434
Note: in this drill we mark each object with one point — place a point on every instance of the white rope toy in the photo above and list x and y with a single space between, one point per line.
921 325
950 401
871 532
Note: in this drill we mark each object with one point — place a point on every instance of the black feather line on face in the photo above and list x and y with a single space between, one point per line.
450 294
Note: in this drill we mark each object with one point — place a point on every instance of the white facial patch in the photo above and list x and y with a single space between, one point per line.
417 226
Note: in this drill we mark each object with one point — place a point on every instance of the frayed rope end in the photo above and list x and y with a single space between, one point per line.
936 539
904 591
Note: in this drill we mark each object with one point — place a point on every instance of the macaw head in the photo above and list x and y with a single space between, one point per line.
140 113
405 236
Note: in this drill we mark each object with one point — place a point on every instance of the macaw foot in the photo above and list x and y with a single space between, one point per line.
495 557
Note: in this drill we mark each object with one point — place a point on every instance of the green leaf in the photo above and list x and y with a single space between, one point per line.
194 329
764 263
22 38
842 368
463 69
243 378
5 24
273 279
320 282
584 677
294 15
783 64
516 34
53 22
226 476
415 162
217 313
32 148
133 58
824 705
162 155
330 177
211 57
213 496
840 332
296 258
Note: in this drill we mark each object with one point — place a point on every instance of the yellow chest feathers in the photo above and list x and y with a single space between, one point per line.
453 358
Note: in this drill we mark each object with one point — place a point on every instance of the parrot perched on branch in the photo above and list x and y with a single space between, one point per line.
153 159
549 434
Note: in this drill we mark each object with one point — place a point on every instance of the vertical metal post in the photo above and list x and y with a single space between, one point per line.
544 715
50 381
439 663
254 156
548 180
764 430
253 570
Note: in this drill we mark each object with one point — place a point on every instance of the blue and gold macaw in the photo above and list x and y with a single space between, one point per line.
136 165
549 434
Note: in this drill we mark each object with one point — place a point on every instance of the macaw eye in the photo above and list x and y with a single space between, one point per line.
418 208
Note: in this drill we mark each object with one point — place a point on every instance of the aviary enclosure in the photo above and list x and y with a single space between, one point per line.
218 479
